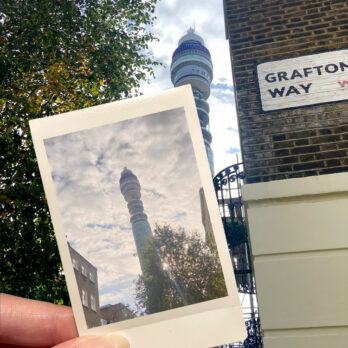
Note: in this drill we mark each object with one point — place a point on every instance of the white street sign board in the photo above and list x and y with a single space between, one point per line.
307 80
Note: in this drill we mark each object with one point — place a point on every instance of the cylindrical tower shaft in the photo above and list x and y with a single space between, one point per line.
130 188
191 63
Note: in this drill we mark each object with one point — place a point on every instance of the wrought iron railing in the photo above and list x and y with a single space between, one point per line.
228 183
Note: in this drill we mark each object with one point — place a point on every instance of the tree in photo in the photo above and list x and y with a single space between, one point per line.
179 270
56 56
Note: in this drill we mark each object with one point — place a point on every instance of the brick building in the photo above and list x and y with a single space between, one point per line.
296 142
115 313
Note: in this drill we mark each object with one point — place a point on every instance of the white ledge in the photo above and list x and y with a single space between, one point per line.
311 185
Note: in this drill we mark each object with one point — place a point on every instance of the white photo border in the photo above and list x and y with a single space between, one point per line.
204 324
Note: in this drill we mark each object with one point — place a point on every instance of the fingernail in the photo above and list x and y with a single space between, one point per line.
117 341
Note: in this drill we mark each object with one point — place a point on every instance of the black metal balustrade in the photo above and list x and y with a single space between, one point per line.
228 183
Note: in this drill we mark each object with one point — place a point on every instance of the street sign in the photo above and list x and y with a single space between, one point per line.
307 80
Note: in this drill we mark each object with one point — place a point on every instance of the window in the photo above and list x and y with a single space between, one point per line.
91 277
74 263
84 298
83 270
93 306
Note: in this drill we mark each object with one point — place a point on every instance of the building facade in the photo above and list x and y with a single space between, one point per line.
298 141
87 281
290 70
115 313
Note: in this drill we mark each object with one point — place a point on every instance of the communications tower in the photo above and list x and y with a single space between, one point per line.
191 64
130 188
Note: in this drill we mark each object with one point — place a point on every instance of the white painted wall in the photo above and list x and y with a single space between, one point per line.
299 240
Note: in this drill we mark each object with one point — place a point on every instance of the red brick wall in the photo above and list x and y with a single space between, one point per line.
297 142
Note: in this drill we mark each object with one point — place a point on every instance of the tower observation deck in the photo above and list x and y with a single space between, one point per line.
130 188
191 64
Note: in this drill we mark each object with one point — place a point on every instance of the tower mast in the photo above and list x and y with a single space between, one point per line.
191 64
130 188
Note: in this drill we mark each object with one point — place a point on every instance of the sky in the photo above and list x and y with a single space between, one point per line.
174 17
86 167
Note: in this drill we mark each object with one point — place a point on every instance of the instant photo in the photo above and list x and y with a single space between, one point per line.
125 183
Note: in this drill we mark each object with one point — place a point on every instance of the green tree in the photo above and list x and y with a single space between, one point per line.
179 269
55 56
235 233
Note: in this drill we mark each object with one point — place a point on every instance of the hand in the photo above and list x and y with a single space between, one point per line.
29 323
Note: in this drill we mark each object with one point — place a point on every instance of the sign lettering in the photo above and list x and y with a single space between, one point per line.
306 80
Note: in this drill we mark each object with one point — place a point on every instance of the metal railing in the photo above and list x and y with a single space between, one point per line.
228 183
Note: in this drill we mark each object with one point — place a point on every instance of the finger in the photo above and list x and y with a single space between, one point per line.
12 346
26 322
109 341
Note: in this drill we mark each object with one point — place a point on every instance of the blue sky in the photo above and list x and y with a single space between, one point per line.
86 168
174 17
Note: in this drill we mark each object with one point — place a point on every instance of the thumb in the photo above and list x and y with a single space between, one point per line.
108 341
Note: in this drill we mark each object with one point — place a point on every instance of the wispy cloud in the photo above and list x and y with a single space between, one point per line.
154 193
106 226
224 95
232 129
222 86
232 150
180 214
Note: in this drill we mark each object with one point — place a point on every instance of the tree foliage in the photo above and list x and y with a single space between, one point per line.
235 233
55 56
179 270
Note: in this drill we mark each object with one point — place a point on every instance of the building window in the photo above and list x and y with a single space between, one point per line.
93 306
84 298
83 270
74 263
91 277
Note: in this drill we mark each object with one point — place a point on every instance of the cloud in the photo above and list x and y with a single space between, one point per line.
232 150
223 95
126 148
222 86
154 193
99 161
106 226
232 129
180 214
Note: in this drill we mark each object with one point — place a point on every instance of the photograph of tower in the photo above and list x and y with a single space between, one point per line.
128 194
130 189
